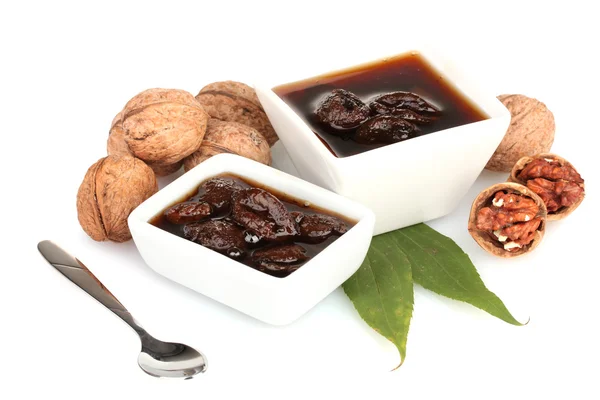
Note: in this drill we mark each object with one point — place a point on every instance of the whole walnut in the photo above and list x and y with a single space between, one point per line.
116 145
233 138
531 131
111 189
161 126
236 102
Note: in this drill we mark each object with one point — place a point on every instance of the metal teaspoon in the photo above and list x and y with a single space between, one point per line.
157 358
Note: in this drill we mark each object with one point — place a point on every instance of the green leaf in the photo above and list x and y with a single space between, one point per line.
382 291
440 265
382 288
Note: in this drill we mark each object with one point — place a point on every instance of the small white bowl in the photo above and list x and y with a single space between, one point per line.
277 301
404 183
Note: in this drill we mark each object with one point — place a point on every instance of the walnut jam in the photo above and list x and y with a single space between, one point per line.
508 219
256 226
373 105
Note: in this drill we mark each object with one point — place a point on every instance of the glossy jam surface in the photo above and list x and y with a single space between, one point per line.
260 227
409 72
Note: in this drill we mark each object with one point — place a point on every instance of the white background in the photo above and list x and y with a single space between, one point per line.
67 69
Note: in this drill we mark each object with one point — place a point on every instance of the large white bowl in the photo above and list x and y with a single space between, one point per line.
273 300
403 183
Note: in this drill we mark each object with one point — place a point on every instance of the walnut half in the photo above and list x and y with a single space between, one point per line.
552 178
508 219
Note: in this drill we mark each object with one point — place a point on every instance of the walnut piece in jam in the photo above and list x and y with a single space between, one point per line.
345 108
259 227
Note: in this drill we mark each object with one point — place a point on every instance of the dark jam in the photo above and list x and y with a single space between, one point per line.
257 226
409 73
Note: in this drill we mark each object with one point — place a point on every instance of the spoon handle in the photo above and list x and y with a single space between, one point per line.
79 274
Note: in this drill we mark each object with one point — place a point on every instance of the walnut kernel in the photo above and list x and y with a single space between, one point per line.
507 219
552 178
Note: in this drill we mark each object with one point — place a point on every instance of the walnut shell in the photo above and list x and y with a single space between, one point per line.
531 131
236 102
522 163
111 189
165 170
116 145
484 239
162 126
230 137
235 88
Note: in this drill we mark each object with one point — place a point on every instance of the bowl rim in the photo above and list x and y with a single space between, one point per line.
433 56
232 164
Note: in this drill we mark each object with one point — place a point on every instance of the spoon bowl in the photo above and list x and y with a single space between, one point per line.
185 362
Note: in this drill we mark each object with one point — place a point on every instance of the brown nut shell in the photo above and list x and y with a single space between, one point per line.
161 126
165 170
236 88
524 161
232 138
236 102
111 189
484 239
531 131
116 145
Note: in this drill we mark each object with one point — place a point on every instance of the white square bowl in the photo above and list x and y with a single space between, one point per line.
277 301
403 183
